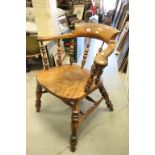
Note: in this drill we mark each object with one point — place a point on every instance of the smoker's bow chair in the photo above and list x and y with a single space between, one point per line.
72 83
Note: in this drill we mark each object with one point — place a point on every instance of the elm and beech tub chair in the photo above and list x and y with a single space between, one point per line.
72 83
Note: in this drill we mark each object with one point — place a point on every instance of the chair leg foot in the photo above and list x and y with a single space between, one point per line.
106 97
73 142
38 97
110 105
38 109
74 126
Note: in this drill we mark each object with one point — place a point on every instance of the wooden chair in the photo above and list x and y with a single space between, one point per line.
72 83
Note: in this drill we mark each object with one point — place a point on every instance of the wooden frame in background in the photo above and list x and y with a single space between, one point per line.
78 10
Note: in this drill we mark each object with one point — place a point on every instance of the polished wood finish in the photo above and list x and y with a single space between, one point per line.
102 57
98 31
67 83
100 62
72 83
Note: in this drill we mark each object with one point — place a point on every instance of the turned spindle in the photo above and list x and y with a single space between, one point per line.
72 52
59 61
85 53
44 56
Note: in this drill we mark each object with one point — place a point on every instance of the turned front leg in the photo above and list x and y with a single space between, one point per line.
106 97
74 126
38 97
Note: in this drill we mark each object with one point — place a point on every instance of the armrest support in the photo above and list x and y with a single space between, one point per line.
100 61
101 58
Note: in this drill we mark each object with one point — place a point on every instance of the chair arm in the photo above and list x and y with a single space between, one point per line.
101 58
56 37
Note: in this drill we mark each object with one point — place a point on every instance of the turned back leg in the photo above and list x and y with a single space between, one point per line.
38 97
106 97
74 126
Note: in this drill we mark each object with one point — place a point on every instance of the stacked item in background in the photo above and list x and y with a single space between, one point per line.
121 22
122 48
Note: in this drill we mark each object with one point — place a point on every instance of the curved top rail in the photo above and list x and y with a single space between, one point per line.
92 30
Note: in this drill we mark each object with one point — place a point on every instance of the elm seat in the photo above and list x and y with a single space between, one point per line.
66 81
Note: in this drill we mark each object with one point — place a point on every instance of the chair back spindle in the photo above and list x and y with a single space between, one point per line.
72 51
44 56
59 61
85 52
